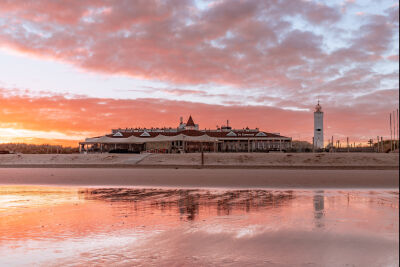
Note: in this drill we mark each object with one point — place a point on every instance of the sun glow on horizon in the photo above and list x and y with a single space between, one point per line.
11 135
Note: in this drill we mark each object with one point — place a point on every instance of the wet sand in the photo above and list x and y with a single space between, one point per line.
167 210
73 226
202 178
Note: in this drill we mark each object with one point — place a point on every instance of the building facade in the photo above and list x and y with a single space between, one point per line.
185 138
318 140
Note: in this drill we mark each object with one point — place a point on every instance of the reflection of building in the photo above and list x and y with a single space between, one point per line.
319 207
318 127
190 203
186 138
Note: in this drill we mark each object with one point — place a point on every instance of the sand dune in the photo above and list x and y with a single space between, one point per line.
276 159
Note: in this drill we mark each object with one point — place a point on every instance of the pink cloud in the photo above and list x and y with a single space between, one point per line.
244 45
227 43
374 36
393 58
64 12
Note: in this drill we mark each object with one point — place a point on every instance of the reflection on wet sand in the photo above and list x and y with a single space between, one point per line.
134 226
189 202
319 208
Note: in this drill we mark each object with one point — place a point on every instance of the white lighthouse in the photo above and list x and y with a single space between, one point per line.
318 127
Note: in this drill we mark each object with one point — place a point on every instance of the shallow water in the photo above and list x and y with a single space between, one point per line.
73 226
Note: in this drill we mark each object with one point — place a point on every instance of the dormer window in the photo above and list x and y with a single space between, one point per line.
145 134
231 133
261 134
118 134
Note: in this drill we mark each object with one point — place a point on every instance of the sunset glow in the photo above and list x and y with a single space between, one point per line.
70 70
107 226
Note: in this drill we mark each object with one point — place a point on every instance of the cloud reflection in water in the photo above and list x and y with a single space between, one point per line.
125 226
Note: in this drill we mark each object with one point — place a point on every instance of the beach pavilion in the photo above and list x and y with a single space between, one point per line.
186 138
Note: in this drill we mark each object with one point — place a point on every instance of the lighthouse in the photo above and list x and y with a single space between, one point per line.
318 127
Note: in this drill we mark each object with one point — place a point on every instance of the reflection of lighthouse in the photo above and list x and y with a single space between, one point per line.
318 127
318 200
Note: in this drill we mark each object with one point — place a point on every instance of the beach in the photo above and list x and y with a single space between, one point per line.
103 226
240 209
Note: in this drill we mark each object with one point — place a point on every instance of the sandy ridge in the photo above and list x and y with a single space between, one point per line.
164 166
211 160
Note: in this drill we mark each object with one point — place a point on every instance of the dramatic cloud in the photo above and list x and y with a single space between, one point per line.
282 54
230 42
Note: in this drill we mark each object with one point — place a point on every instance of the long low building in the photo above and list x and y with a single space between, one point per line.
186 138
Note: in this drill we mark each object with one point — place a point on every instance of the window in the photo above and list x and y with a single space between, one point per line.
231 133
145 134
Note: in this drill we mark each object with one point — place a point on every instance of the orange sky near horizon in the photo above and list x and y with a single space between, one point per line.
63 121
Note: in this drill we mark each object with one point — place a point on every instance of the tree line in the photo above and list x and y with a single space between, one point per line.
37 149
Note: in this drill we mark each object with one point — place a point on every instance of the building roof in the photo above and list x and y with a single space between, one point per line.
190 122
318 107
195 133
139 135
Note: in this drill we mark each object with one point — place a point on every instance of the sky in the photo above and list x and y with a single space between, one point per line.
76 69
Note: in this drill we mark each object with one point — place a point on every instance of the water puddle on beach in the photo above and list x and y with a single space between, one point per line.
57 226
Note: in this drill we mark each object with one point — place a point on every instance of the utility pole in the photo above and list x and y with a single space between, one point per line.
398 129
382 147
370 142
394 130
377 144
391 136
348 148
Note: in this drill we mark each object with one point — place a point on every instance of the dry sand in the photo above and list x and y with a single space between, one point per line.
276 159
211 160
200 178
